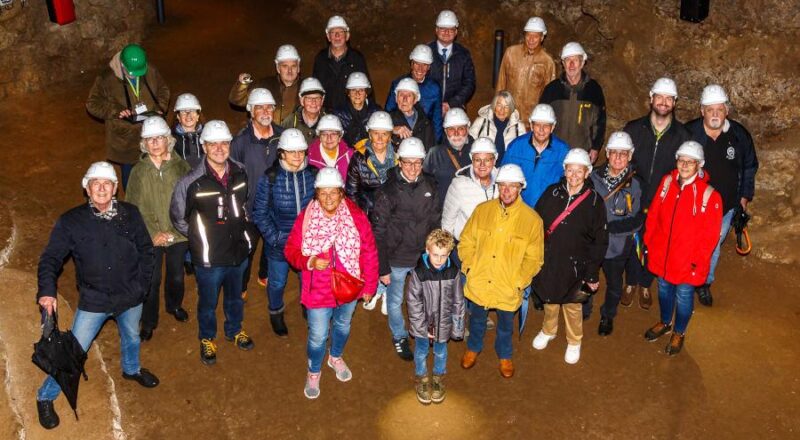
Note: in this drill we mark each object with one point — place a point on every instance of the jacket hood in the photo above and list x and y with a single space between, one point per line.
116 65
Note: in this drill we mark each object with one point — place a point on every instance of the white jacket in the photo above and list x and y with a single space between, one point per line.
464 194
484 125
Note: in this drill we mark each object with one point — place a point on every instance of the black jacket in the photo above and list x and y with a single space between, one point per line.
403 215
457 77
187 145
362 182
423 128
355 122
580 111
113 258
257 155
333 75
440 166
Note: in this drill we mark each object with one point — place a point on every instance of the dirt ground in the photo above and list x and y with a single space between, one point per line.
736 378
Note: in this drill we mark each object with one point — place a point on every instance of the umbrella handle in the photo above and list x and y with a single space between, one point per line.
49 322
748 246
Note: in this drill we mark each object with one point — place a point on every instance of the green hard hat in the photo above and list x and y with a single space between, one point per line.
134 59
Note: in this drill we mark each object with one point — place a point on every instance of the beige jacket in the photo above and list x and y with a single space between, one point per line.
525 76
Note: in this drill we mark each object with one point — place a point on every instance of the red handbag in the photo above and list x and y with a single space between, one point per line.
346 288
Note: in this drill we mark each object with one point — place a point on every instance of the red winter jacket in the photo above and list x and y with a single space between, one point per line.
679 235
316 290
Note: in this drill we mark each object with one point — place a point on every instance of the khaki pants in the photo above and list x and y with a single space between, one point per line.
573 317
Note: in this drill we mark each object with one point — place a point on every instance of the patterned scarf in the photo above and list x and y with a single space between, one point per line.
320 232
109 214
612 182
384 167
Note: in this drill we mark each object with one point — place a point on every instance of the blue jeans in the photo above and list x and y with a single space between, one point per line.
477 329
86 325
723 233
677 299
278 270
209 282
394 302
421 349
319 321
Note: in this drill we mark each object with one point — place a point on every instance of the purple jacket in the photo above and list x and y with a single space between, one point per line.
316 160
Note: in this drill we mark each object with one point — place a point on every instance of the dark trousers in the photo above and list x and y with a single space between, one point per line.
173 283
613 269
262 264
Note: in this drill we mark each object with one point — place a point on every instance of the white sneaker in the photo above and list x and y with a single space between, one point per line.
489 323
384 306
541 340
369 305
573 354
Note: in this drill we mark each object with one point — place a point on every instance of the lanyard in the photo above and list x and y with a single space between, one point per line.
134 89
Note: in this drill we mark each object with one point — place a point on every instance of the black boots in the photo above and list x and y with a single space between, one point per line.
278 324
48 417
704 295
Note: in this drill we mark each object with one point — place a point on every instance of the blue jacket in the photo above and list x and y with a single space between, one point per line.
457 77
430 100
257 155
539 173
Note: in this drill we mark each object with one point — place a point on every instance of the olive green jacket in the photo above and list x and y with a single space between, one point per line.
150 189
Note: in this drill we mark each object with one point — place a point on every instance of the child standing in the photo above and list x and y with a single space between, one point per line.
435 301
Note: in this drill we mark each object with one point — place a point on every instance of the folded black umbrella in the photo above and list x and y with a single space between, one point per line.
60 355
739 223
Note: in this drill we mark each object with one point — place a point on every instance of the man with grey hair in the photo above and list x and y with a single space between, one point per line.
283 86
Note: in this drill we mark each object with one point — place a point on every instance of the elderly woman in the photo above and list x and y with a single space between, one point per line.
331 234
150 188
282 193
498 121
329 149
187 129
576 239
370 165
359 108
681 232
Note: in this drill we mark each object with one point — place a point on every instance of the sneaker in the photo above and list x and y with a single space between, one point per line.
241 340
657 331
675 344
645 299
423 388
541 340
704 295
606 326
342 372
370 305
262 282
573 354
489 323
311 390
437 391
402 348
208 352
48 417
627 296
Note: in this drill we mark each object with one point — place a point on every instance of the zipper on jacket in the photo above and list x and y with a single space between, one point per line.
669 235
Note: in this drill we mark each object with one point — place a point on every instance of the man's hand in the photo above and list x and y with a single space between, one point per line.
402 131
593 155
594 286
245 78
386 279
161 239
49 303
125 114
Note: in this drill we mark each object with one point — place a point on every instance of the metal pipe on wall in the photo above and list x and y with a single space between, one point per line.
499 46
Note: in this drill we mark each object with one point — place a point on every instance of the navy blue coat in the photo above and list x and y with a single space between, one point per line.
355 122
457 77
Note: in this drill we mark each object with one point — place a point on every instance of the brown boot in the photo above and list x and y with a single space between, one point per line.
627 296
657 331
468 361
438 391
506 368
645 298
423 388
675 344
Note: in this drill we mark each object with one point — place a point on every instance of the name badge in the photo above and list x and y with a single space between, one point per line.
140 108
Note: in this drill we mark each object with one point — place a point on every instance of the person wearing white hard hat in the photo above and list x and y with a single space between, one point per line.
430 92
579 103
409 118
306 117
452 154
112 271
681 231
335 63
283 191
406 209
499 121
574 217
331 237
284 85
329 149
656 137
371 165
150 187
527 67
359 108
731 162
219 237
187 128
452 64
501 250
539 153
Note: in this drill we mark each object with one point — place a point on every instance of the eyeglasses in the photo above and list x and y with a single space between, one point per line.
411 163
313 98
686 162
330 134
154 139
477 161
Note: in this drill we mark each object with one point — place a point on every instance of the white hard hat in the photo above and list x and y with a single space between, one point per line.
187 101
455 117
511 173
409 85
311 85
619 140
713 94
411 148
543 113
535 24
329 123
693 150
292 139
578 156
422 53
154 126
664 86
447 19
285 53
215 131
380 120
571 49
328 177
99 170
357 80
483 145
259 96
336 21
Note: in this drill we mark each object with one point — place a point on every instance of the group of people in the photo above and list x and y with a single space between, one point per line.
412 203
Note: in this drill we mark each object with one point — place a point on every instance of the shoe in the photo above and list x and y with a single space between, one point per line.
146 334
468 361
311 390
244 296
606 326
423 388
402 348
208 352
262 282
180 314
704 295
657 331
645 299
241 340
144 377
627 296
573 354
438 392
278 324
188 268
342 372
541 340
48 417
506 368
370 305
675 344
384 306
489 323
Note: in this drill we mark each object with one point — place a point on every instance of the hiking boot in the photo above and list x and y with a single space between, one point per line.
241 340
506 368
645 298
489 323
423 387
468 361
311 390
343 373
606 326
704 295
573 354
675 344
262 282
278 324
627 296
437 391
208 352
144 377
180 314
48 417
657 331
402 348
541 340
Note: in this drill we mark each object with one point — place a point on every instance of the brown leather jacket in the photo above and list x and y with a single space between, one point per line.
286 98
525 76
